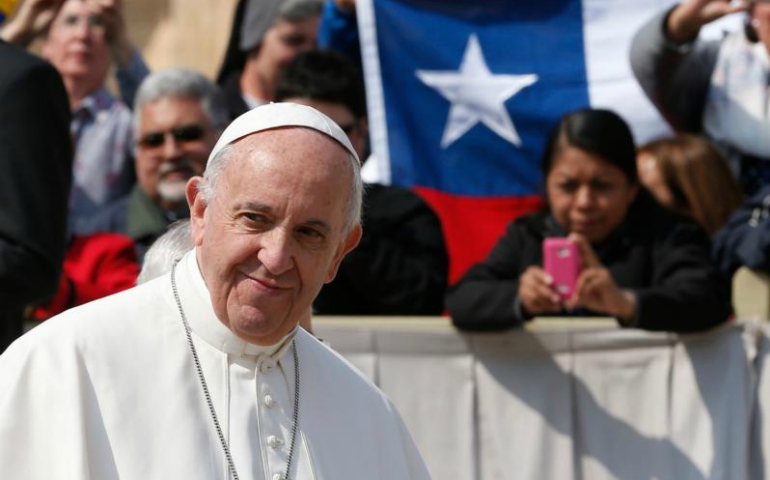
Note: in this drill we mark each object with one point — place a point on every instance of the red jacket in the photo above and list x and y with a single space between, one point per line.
95 266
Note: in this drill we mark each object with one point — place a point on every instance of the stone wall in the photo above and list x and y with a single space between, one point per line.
189 33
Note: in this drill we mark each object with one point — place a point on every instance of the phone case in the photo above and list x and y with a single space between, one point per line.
561 260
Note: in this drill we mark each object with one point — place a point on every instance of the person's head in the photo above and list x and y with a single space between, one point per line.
272 34
331 84
590 172
178 115
688 174
276 211
165 251
76 44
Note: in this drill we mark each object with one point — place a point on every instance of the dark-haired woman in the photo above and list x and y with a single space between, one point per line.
642 264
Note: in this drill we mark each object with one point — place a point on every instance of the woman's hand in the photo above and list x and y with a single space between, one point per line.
111 12
32 18
596 289
686 20
536 293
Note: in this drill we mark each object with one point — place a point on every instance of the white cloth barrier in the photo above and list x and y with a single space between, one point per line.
597 403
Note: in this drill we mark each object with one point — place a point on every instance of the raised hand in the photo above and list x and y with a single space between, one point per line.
111 12
686 20
32 18
596 289
536 293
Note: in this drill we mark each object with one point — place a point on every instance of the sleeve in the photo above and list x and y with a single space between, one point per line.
36 162
745 237
338 31
686 293
130 77
485 298
400 267
675 77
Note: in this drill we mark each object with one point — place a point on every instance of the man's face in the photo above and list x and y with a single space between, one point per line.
281 43
355 128
76 44
274 232
174 141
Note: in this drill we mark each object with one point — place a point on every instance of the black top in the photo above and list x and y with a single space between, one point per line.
662 257
399 268
35 180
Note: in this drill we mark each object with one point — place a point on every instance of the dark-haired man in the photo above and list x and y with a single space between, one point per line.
400 267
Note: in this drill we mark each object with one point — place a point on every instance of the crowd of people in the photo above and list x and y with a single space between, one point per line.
241 202
660 228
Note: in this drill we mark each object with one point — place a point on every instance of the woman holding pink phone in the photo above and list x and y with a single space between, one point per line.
631 258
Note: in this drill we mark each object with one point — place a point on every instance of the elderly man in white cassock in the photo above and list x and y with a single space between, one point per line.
203 373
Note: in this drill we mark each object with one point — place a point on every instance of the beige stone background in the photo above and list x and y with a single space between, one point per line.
189 33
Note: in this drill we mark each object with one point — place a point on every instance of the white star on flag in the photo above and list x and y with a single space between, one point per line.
476 95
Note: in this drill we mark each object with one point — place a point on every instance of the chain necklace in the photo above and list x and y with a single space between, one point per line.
210 403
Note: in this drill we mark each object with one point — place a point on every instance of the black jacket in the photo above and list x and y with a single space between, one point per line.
401 265
662 257
35 180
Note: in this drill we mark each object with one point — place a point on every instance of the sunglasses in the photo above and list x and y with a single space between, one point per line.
182 134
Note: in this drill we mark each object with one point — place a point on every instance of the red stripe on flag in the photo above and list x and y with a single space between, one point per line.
472 225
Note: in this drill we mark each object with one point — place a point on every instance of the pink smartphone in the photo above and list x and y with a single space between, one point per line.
561 260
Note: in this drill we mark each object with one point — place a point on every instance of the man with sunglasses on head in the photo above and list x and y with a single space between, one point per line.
83 39
178 117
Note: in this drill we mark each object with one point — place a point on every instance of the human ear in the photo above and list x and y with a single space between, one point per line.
197 204
350 242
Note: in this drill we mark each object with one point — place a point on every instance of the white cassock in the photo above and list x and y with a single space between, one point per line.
109 390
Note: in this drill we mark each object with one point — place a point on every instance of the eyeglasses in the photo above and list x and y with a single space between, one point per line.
182 134
92 21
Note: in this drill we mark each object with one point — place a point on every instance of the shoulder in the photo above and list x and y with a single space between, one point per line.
112 325
651 222
24 72
110 218
389 198
18 63
329 368
529 225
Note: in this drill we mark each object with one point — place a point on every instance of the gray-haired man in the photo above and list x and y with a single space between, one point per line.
178 117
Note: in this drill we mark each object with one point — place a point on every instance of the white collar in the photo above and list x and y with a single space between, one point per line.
199 311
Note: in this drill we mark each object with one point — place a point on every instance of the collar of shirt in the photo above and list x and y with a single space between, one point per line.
202 320
97 101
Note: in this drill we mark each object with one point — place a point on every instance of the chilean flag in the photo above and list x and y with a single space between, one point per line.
462 95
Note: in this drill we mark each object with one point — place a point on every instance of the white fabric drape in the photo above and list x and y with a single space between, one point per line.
560 405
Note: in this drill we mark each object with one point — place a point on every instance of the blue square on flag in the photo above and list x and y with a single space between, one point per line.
470 90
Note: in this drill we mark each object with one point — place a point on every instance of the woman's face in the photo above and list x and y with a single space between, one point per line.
651 178
587 194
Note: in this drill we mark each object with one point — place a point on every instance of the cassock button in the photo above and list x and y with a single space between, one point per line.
269 401
273 441
277 476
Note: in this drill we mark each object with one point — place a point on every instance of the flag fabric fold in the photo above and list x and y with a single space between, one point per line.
463 94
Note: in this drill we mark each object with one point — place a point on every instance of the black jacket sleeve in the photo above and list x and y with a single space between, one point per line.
685 294
36 163
484 298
